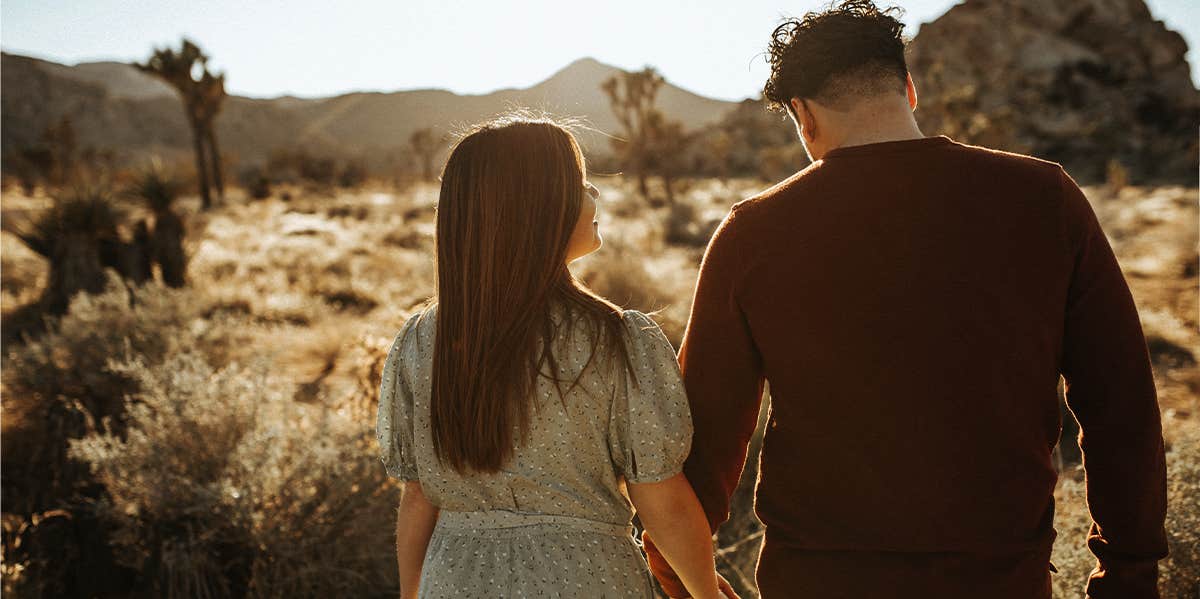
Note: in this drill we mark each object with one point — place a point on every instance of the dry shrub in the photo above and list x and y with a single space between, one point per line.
355 212
256 181
223 486
410 239
775 163
24 272
347 298
619 275
57 382
680 226
1170 341
283 308
56 386
658 287
150 320
313 511
366 357
1116 175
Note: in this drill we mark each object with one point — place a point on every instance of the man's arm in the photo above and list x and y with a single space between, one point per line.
722 372
1110 390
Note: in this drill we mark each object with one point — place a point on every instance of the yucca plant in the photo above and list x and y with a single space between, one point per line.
76 235
164 244
156 188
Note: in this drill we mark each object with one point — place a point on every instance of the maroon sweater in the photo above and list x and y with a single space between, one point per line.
913 304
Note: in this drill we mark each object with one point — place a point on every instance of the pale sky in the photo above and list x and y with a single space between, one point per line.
318 48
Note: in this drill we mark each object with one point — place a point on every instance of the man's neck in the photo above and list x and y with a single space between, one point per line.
877 134
878 123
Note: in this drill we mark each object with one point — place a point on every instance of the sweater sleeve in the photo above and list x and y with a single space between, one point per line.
723 376
1110 391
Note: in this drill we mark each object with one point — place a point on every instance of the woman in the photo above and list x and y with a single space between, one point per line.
521 406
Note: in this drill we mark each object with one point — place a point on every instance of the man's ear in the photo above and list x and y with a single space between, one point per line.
804 117
911 88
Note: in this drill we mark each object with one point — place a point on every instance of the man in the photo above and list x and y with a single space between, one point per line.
913 302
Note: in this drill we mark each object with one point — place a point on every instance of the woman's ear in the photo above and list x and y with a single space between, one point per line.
911 89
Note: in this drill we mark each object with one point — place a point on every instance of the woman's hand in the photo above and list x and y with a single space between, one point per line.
724 591
726 588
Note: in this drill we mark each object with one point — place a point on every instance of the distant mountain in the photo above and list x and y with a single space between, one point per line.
113 105
117 78
1081 82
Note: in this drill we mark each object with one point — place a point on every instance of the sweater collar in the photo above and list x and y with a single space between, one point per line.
887 147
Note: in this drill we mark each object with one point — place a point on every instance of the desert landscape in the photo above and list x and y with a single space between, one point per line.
191 364
292 304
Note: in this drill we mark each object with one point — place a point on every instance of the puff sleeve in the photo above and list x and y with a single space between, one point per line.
394 425
650 427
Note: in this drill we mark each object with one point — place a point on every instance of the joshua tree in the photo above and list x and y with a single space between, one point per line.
76 236
424 147
212 94
202 93
632 97
59 139
165 241
665 150
718 148
651 143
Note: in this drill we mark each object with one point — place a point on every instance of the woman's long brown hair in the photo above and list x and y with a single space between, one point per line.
512 191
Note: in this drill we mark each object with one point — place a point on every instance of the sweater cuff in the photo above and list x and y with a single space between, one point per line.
662 571
1124 579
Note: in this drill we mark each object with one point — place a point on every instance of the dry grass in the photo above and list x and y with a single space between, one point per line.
223 483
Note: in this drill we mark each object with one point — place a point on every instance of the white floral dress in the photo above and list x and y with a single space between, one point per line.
554 522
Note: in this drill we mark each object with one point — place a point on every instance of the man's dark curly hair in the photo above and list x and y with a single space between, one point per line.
850 50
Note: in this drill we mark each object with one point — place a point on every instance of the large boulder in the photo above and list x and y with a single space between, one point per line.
1080 82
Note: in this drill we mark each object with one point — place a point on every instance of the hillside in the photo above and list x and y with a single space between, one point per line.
113 105
1083 83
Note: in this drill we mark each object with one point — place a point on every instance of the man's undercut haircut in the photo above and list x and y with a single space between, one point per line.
850 51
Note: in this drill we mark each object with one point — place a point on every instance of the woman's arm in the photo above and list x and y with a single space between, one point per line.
672 515
414 526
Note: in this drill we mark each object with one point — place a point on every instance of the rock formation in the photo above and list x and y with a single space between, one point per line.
1080 82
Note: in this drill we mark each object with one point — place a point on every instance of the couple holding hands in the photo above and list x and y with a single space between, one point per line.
912 300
